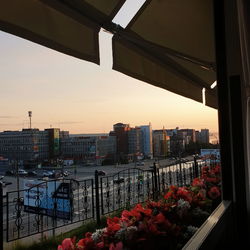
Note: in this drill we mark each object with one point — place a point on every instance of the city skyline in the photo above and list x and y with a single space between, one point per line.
96 132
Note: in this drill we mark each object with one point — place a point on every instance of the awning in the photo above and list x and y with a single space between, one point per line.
56 25
170 44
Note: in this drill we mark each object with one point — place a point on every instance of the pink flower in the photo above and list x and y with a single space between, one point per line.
86 243
67 244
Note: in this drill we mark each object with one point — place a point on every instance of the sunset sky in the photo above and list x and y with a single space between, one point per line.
82 97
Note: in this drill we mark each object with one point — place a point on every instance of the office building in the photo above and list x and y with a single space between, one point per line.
204 136
161 143
30 144
147 141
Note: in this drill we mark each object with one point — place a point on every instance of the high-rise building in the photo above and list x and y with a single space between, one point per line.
204 136
135 141
120 130
88 148
54 142
197 136
106 147
147 141
188 135
29 144
177 144
161 143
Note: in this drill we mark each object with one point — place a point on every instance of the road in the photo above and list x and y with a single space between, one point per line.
83 172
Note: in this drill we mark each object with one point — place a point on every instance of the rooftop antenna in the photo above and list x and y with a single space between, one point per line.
30 115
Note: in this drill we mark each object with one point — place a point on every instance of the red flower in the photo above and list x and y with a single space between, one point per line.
154 204
160 218
168 195
217 170
126 215
111 221
197 182
211 179
202 194
100 245
184 194
67 244
85 243
146 211
153 229
205 169
214 193
117 246
113 225
156 220
88 235
171 194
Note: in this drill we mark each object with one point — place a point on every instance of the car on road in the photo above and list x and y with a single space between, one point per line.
22 172
66 173
49 174
140 163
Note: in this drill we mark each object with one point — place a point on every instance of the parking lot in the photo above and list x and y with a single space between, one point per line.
77 172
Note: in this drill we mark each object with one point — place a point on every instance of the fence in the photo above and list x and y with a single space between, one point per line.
45 206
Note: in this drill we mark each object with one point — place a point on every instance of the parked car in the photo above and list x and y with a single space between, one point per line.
140 163
49 174
32 173
66 173
57 174
22 172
